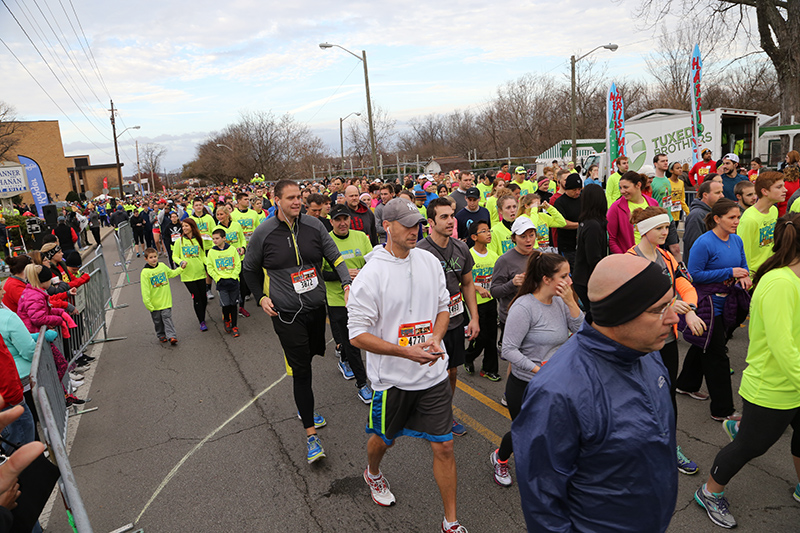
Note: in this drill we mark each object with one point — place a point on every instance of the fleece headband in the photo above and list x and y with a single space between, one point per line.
649 223
632 299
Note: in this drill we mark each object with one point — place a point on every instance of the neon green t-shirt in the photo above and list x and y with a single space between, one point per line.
353 249
482 271
543 222
223 264
491 206
632 206
156 294
206 225
527 187
772 376
194 254
756 230
233 234
501 240
248 221
485 190
612 188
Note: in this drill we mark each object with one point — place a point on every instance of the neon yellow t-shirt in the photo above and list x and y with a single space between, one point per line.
756 230
482 271
632 206
501 240
527 187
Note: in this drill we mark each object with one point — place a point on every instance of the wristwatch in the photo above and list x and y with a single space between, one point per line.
693 307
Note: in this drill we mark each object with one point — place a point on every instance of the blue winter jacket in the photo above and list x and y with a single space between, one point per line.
595 440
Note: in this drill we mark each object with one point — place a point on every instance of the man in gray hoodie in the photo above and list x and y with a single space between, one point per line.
695 225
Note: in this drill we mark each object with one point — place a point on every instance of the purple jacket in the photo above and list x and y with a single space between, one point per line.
738 299
35 311
620 229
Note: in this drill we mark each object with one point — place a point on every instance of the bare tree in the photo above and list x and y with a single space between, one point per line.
10 130
358 144
152 154
777 28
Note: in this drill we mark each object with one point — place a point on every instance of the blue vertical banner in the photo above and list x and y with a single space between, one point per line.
35 182
615 126
697 117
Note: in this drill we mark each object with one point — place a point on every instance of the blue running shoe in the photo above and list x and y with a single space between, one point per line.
685 465
344 368
365 394
796 494
731 428
458 429
319 420
315 451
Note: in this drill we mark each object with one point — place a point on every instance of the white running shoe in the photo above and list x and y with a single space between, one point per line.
501 474
380 490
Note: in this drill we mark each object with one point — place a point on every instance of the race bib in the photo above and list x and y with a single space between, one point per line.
175 236
305 280
456 305
414 333
666 203
206 237
484 281
676 206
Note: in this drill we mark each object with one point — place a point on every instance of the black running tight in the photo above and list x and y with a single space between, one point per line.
230 314
304 399
197 289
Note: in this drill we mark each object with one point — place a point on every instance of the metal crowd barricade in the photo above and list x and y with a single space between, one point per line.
91 303
123 235
51 406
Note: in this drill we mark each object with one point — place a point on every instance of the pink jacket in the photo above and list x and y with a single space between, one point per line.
35 311
620 229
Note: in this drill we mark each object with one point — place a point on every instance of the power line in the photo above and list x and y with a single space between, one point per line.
51 70
50 97
92 60
331 96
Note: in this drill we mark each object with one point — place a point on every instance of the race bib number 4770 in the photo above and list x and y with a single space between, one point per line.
414 333
305 280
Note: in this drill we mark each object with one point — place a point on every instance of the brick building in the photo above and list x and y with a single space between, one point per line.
41 141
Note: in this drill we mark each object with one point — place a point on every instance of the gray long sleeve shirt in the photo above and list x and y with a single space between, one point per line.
535 331
502 288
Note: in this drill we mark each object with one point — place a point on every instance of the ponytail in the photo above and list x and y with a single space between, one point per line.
786 247
540 265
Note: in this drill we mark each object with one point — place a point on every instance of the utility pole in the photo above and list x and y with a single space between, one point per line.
116 150
573 113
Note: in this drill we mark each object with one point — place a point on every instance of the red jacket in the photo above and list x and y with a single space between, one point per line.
10 384
13 287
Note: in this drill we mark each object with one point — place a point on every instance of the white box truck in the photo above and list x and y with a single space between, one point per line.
669 131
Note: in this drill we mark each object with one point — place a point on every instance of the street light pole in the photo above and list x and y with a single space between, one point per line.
363 58
341 133
573 111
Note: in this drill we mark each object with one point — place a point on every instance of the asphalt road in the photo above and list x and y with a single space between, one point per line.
204 436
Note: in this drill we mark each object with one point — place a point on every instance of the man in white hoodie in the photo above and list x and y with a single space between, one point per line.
398 313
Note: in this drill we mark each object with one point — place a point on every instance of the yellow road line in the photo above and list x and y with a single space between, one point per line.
490 435
485 400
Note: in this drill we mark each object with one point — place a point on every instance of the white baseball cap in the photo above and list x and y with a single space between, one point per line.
521 225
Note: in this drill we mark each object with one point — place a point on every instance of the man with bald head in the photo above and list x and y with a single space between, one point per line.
597 420
361 216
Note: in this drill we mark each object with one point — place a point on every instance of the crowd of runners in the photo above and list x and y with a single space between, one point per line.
583 291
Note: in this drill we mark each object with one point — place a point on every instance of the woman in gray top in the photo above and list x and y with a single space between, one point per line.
541 318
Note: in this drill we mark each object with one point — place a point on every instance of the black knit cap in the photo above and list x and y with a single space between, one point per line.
45 274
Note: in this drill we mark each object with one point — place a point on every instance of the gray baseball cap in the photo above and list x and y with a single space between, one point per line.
402 211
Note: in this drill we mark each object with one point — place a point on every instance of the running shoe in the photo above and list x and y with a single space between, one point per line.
796 494
344 368
243 312
365 394
501 474
75 384
315 450
455 528
702 396
685 465
75 375
380 490
503 400
71 399
469 368
209 295
228 327
731 428
235 332
319 420
735 416
458 429
203 326
716 506
491 376
173 341
160 339
87 358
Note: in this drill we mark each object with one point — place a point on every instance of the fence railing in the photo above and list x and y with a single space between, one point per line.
123 235
48 396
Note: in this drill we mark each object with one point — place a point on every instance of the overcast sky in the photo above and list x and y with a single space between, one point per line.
181 69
